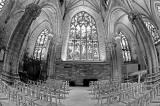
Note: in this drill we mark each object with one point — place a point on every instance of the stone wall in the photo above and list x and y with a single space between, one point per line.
80 71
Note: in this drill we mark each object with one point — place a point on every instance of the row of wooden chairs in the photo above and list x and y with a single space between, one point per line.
30 94
109 90
144 97
127 94
10 96
122 93
58 88
99 87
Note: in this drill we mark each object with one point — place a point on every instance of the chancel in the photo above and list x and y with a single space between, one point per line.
79 53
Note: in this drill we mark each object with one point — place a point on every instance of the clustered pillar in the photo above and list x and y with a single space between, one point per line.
116 62
10 70
136 19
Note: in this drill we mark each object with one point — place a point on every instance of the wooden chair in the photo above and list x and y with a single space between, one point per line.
6 96
23 101
45 99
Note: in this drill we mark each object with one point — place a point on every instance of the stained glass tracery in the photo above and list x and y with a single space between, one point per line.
153 31
83 38
125 48
41 45
2 3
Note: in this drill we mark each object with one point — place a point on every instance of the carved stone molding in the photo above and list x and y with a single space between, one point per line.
132 16
33 10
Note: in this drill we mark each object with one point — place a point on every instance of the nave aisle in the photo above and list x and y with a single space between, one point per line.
79 96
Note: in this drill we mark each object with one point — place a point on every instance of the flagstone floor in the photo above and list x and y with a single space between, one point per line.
79 96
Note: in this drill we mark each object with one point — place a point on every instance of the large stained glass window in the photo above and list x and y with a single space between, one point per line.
153 31
83 38
2 3
41 45
125 48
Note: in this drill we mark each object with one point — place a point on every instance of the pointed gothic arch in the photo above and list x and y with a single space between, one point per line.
42 44
126 52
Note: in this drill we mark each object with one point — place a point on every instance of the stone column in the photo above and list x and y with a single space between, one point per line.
115 59
10 71
136 19
51 59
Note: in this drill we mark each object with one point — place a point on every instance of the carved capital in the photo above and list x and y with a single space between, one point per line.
132 16
111 45
33 10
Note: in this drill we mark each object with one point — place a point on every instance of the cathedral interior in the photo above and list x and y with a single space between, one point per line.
79 52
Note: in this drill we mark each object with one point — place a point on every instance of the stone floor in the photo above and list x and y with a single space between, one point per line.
79 96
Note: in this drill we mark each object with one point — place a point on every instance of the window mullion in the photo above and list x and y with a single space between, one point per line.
80 43
86 42
98 48
45 36
74 43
